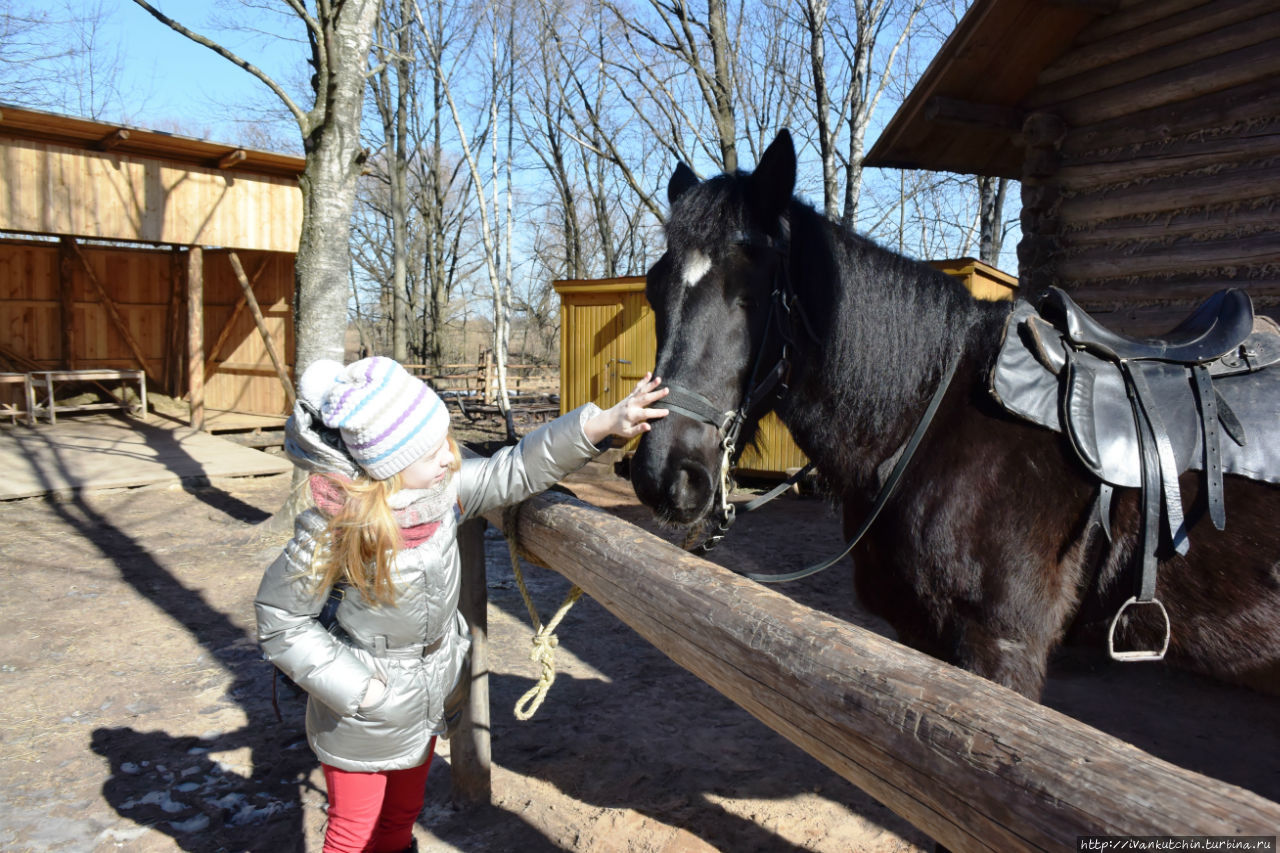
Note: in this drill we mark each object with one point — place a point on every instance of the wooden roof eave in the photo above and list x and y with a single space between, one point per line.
89 135
964 115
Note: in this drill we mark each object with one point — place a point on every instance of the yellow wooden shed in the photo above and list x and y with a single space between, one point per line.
608 342
983 280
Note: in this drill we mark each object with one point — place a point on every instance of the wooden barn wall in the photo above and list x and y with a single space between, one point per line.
1152 172
147 287
49 189
240 376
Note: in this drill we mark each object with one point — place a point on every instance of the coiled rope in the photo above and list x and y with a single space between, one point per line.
544 638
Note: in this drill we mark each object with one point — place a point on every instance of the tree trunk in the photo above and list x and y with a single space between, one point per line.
815 18
991 192
723 86
395 124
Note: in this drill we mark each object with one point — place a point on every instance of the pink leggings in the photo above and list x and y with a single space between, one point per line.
374 812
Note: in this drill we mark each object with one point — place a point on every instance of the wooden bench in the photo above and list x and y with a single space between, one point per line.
12 410
46 381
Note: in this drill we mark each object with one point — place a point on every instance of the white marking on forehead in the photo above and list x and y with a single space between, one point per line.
696 267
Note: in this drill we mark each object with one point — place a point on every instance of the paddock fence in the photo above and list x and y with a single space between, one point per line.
975 765
473 387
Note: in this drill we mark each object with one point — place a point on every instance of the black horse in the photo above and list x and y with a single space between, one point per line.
986 555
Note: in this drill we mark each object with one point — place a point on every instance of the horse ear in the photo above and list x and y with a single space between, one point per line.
682 179
774 180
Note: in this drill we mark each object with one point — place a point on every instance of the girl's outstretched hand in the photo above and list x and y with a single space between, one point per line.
630 416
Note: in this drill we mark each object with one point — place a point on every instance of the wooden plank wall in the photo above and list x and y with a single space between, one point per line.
242 378
1152 175
50 189
142 282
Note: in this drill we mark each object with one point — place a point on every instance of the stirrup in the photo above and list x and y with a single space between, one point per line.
1138 654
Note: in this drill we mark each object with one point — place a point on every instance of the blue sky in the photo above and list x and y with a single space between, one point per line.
172 83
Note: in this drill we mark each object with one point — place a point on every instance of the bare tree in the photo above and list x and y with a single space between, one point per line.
699 46
846 88
339 35
392 95
495 211
443 179
57 56
991 194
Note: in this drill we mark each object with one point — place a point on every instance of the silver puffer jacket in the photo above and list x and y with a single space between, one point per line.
418 645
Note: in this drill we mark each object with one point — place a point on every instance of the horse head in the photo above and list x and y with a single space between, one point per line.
714 293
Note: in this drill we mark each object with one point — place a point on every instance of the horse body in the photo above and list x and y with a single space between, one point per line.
986 553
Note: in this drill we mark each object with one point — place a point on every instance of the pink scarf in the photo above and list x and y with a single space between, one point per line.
418 521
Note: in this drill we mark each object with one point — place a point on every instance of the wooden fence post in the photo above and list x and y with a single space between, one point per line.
469 749
195 334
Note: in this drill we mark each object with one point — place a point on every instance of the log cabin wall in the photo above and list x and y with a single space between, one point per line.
1151 175
42 282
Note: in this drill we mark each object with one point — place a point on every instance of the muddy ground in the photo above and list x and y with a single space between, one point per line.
136 712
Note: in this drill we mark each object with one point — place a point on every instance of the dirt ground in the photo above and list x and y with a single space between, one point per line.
136 712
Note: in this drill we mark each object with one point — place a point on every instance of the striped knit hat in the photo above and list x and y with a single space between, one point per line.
387 418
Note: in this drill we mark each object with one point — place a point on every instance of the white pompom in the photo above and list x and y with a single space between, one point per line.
317 380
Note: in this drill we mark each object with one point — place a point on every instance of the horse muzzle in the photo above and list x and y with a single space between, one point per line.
675 477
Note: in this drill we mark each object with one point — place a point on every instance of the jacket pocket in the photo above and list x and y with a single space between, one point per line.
373 711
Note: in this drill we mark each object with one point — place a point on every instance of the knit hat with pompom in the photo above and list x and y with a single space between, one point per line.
388 418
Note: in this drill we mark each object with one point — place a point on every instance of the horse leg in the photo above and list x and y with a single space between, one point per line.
1010 657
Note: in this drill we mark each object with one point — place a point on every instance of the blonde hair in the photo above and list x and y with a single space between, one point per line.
362 539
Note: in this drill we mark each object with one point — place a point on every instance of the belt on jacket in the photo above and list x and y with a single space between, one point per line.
416 650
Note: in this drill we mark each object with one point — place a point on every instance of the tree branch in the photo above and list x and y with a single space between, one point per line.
303 119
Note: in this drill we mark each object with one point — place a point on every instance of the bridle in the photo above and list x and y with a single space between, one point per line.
728 424
784 310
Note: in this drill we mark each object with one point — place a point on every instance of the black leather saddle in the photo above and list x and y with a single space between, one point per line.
1214 329
1140 411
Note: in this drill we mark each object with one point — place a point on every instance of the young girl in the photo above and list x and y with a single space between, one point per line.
390 489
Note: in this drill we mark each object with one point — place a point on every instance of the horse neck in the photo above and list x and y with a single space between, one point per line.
885 331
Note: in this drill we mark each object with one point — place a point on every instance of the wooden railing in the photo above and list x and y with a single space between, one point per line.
479 381
973 764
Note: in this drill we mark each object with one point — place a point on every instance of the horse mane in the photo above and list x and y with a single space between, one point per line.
887 328
708 216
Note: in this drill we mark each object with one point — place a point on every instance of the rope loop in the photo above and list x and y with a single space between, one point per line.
544 639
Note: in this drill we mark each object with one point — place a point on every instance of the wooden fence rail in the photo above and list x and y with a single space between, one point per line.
480 379
976 766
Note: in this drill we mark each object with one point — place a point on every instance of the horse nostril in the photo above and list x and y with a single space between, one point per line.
689 493
671 476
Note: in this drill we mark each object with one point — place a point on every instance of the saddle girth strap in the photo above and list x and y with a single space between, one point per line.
1159 478
1208 397
1136 371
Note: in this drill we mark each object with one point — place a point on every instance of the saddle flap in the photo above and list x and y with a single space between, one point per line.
1020 381
1100 421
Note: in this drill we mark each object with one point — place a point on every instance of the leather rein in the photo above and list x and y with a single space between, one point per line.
784 309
